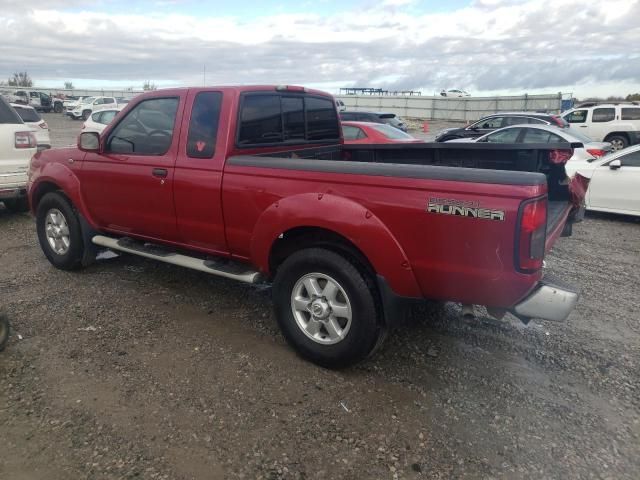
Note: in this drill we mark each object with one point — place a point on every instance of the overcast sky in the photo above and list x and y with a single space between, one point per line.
588 47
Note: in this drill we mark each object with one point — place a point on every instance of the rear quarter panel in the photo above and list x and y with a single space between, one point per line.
455 258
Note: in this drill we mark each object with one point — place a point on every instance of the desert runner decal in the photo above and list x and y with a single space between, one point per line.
463 208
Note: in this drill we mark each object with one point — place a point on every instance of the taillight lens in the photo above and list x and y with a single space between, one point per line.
597 152
559 121
25 140
532 233
560 157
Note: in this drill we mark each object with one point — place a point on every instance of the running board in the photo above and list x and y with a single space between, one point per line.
221 267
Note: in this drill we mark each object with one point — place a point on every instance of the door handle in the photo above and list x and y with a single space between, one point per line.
583 126
160 172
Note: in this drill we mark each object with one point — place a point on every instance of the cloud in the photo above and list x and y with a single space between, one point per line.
490 45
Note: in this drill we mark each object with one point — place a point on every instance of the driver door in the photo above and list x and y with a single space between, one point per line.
617 188
128 186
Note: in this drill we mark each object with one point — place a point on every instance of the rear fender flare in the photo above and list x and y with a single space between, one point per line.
344 217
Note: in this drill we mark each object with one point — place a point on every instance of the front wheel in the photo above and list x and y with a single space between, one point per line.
326 308
59 232
618 142
57 108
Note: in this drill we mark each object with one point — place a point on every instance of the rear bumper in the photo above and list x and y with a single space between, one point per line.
551 299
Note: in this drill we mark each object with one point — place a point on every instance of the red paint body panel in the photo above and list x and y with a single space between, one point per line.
211 206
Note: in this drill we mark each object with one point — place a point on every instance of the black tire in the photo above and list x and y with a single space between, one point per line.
17 205
85 114
57 108
4 331
366 326
618 142
71 259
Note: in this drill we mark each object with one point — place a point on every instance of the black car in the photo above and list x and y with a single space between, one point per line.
498 120
375 117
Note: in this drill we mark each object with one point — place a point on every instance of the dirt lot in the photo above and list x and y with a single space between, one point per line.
135 369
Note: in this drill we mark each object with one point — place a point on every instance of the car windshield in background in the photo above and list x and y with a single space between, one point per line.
28 114
8 114
391 132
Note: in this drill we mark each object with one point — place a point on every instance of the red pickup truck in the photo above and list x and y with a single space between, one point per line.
255 184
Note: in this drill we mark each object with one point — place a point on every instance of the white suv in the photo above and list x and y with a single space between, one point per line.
17 146
618 124
91 104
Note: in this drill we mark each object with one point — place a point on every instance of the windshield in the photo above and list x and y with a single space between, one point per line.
391 132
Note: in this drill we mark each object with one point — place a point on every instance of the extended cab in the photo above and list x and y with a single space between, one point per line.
255 184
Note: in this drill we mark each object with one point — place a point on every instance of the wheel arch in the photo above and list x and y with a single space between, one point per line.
290 225
619 134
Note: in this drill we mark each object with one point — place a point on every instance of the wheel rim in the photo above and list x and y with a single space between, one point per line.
57 231
617 144
321 308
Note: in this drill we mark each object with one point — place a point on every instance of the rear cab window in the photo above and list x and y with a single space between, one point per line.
8 114
352 133
28 114
286 118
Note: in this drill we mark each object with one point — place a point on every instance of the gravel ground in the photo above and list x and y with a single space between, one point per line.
136 369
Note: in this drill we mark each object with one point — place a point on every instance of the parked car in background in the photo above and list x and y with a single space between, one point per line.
91 104
615 181
454 93
121 101
499 120
583 147
618 124
368 132
17 146
70 102
374 117
38 100
32 118
99 120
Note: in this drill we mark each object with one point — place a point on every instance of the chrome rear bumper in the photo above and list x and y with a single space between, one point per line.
550 300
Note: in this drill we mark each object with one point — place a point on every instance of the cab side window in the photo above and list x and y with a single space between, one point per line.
579 116
147 129
601 115
631 160
203 126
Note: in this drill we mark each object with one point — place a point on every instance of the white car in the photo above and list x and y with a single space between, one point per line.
618 124
32 118
454 93
528 133
615 181
91 104
99 120
17 146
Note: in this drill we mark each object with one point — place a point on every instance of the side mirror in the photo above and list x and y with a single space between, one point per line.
89 142
615 164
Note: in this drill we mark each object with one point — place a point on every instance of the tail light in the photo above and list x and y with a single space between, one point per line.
597 152
531 236
559 121
25 140
560 157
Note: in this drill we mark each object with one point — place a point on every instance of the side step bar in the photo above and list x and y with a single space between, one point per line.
222 268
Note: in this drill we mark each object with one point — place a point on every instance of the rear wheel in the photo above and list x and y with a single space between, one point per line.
17 205
618 142
59 232
57 108
326 308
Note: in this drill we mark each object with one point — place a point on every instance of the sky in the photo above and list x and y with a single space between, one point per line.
487 47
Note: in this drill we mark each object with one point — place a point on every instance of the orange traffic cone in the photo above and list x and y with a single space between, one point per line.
425 127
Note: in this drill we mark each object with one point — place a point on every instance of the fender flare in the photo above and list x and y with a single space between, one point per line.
61 176
344 217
